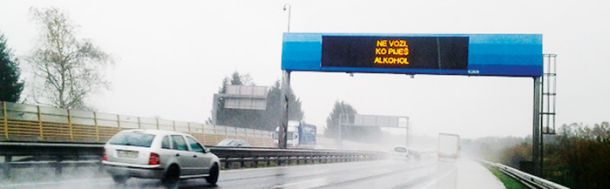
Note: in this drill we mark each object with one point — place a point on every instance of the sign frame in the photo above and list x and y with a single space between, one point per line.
504 55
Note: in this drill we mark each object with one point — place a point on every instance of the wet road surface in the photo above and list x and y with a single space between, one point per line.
371 174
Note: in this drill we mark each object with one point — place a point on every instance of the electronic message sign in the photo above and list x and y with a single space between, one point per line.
395 52
361 120
515 55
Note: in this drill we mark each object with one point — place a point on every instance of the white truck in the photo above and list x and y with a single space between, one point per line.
448 146
300 135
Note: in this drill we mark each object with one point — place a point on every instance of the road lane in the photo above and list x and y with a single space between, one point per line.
370 174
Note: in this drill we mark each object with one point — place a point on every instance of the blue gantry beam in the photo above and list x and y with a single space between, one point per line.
509 55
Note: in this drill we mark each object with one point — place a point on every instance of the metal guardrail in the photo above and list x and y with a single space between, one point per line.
285 156
23 122
527 179
58 155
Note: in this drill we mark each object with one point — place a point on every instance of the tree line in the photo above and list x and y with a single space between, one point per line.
344 114
578 156
66 69
267 119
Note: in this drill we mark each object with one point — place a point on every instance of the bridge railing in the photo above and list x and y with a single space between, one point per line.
24 122
527 179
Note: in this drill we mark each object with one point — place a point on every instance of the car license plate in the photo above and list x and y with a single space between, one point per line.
127 154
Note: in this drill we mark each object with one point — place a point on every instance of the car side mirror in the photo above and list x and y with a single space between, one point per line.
207 150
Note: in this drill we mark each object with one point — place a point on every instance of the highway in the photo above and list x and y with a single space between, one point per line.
369 174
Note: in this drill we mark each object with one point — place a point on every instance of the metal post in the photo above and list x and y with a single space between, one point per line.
536 159
283 129
215 108
226 131
235 132
70 128
407 134
118 121
174 125
4 112
554 89
246 133
203 132
157 122
39 123
542 123
97 127
288 8
340 136
139 123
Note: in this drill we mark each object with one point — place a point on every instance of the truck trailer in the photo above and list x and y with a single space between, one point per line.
448 146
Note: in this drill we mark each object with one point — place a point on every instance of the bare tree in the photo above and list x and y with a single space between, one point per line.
71 68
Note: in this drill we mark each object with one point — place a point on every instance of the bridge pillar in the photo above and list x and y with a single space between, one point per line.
283 126
536 134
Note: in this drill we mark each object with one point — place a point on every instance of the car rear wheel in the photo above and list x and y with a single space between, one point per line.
119 179
214 172
171 176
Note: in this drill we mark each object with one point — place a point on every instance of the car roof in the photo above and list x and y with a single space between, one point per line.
233 139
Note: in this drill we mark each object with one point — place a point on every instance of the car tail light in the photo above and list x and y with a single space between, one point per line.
154 159
105 157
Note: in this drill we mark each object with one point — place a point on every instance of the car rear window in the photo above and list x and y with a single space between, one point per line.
132 139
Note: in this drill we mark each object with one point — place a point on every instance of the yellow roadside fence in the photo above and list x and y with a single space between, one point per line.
32 123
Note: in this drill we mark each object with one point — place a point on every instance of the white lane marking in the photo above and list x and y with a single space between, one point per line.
434 181
320 182
295 168
302 184
331 168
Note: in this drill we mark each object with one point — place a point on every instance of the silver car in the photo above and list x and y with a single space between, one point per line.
166 155
230 142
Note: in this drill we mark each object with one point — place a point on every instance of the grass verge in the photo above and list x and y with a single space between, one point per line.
509 182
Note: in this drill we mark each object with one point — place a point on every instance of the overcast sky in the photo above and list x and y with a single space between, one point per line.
171 56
